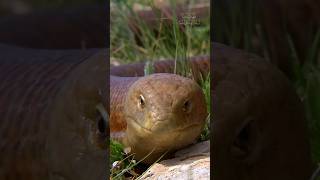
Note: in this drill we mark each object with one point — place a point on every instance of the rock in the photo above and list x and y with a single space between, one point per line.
192 162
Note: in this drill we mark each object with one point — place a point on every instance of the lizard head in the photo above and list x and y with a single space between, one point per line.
163 112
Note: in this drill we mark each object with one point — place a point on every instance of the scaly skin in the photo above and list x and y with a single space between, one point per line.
259 126
48 124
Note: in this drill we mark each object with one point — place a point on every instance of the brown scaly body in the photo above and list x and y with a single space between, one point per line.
228 63
49 126
259 126
32 82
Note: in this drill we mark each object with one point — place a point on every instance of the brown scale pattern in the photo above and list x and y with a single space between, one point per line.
26 90
120 86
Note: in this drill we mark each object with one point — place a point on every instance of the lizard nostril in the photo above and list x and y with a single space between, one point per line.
187 106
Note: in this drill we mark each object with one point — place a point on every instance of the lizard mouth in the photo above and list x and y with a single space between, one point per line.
180 129
160 139
139 126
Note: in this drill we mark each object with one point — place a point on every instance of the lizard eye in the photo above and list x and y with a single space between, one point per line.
141 102
102 121
242 140
187 106
245 141
102 126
